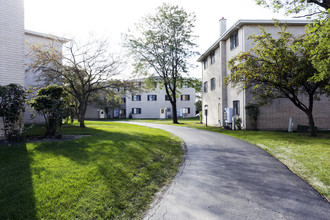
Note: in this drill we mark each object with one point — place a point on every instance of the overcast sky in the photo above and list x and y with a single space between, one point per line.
109 18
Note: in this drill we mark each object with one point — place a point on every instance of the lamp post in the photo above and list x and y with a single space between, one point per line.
206 107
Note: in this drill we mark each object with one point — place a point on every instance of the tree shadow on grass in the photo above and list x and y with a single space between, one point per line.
126 162
16 189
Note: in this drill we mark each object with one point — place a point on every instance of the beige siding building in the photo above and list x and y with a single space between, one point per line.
11 44
224 102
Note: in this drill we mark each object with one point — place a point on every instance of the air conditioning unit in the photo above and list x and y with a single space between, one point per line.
228 115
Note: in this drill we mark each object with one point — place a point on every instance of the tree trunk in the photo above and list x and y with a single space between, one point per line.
311 123
82 111
82 120
174 113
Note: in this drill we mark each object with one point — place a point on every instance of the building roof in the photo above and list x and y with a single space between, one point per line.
241 23
47 36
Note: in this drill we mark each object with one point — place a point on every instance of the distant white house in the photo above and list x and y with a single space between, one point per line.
148 104
155 104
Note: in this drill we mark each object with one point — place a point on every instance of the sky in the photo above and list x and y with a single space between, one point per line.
77 19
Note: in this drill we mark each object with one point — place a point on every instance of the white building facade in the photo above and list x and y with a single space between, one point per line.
155 104
11 44
223 102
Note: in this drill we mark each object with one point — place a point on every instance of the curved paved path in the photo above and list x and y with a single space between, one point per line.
226 178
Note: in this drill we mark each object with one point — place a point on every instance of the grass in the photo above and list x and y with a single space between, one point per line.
111 174
308 157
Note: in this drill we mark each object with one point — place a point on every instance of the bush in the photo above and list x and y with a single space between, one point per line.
49 102
12 99
238 123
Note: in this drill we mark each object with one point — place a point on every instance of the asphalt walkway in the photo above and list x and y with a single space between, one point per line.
226 178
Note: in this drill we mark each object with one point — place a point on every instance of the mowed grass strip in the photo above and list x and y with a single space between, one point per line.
111 174
308 157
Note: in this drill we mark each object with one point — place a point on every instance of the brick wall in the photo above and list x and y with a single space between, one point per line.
276 116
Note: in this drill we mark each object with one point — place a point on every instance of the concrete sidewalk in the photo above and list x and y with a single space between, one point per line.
226 178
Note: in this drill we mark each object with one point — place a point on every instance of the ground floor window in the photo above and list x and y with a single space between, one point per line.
186 110
136 111
236 107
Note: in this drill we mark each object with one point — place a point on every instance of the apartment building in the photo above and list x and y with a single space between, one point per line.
11 44
155 104
224 102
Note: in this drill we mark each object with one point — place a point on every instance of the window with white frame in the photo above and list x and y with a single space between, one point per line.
185 97
213 84
234 40
152 97
205 62
136 111
186 110
212 57
136 98
236 107
205 86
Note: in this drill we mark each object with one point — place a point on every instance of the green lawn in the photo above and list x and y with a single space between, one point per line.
111 174
308 157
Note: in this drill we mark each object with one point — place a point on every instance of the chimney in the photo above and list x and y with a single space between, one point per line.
223 22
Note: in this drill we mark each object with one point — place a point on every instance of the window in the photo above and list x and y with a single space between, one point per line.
167 98
186 110
212 57
136 98
234 40
205 86
152 97
136 111
205 63
236 107
138 84
123 100
185 97
213 84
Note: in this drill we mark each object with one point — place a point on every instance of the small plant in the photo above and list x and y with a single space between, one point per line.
130 115
12 99
50 103
201 117
238 123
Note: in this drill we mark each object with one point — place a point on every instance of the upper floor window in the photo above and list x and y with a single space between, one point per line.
185 97
212 57
213 84
136 98
136 111
167 98
236 107
205 63
152 97
123 100
205 86
234 40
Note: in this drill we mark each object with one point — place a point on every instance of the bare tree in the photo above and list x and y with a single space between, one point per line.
81 69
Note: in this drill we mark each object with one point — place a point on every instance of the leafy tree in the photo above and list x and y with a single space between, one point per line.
49 102
82 69
161 47
12 99
278 68
311 7
318 48
198 105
